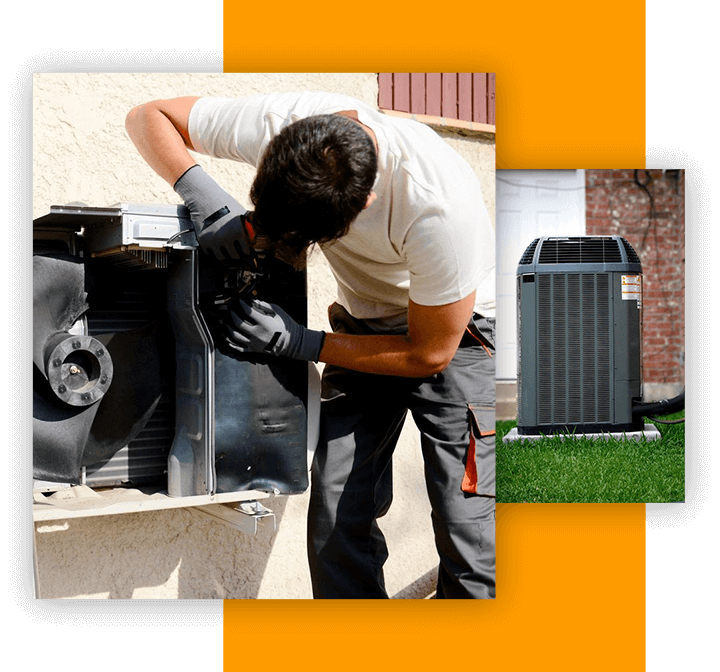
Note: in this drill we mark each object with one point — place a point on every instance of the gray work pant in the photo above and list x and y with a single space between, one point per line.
362 416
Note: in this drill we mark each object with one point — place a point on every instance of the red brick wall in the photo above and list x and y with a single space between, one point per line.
647 208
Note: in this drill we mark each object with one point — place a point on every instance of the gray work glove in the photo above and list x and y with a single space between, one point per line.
219 220
266 328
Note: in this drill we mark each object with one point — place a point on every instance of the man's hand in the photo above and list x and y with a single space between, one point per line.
266 328
219 220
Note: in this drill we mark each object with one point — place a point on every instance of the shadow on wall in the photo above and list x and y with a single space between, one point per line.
178 553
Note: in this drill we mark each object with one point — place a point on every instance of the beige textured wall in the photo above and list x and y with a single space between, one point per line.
81 153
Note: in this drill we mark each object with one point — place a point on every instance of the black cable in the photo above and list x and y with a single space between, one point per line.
666 422
664 407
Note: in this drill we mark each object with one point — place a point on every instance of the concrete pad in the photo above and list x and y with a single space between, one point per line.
649 433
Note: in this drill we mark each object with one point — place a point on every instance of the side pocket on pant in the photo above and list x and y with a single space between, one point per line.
479 477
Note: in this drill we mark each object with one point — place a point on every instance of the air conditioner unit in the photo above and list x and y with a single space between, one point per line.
134 383
579 302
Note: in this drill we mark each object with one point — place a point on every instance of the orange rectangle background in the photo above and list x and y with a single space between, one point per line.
570 93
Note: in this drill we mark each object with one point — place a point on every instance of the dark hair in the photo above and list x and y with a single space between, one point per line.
312 182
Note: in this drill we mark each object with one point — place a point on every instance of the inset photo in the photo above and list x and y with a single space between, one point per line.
591 335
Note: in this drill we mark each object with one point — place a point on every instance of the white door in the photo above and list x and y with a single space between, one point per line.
529 204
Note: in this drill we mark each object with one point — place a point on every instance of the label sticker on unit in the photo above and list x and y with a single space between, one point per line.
632 288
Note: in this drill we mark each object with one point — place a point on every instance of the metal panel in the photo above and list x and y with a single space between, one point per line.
401 91
483 91
190 463
418 93
385 90
465 96
449 95
433 94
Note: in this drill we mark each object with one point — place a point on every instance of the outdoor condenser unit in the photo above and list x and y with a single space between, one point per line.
133 381
579 306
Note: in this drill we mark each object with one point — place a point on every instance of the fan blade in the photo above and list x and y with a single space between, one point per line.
60 432
59 299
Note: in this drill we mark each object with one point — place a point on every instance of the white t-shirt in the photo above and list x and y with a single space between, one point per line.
427 237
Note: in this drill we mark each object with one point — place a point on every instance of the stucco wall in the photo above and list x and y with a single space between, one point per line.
81 153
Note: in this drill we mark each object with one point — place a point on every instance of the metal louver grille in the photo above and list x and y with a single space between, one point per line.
574 348
629 250
529 252
144 459
580 251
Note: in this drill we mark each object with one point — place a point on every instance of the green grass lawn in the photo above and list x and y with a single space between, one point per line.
592 470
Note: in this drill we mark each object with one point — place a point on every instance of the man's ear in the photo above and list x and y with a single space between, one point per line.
370 200
349 113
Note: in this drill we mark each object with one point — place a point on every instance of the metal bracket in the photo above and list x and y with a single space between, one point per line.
243 516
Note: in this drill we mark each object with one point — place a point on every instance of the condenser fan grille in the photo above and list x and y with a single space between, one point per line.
529 252
603 250
632 256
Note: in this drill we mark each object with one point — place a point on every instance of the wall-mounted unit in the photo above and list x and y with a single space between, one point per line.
579 303
134 384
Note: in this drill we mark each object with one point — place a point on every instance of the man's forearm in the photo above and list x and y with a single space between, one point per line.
434 335
393 355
